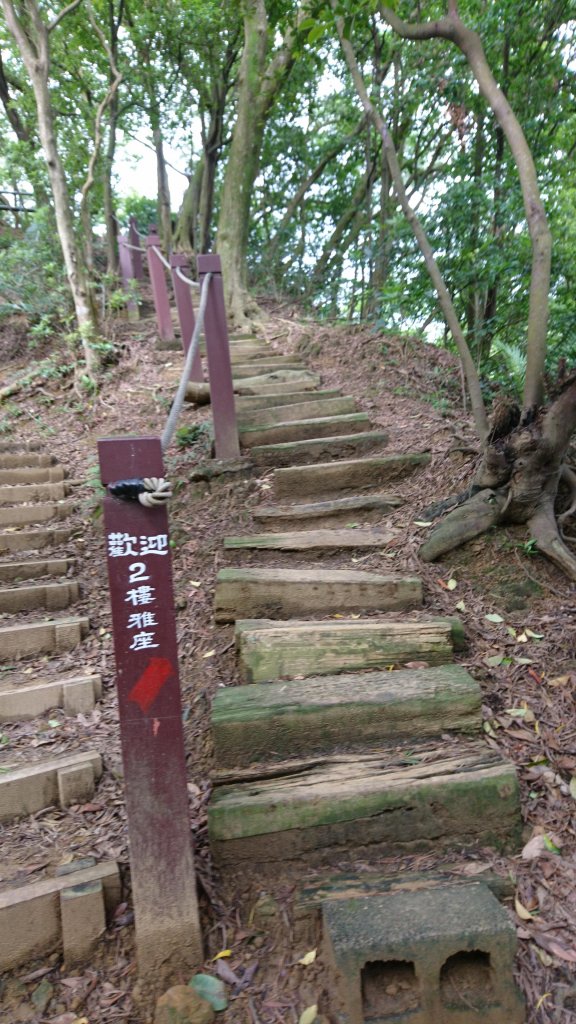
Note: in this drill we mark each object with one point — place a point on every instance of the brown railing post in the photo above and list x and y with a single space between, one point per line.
127 274
179 260
134 239
159 289
168 937
219 365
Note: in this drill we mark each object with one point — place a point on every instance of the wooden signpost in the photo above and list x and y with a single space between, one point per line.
226 441
140 575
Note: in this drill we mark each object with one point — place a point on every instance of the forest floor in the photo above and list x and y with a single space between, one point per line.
518 613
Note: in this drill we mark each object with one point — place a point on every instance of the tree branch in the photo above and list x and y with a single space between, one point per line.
60 17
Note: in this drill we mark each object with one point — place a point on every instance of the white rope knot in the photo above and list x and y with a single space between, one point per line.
156 491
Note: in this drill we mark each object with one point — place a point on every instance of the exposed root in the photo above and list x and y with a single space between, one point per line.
569 477
544 530
476 516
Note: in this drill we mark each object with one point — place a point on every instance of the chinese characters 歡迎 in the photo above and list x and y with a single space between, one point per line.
124 545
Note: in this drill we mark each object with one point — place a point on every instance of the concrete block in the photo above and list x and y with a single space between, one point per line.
11 572
83 917
75 784
29 788
80 695
437 956
33 540
11 460
32 475
30 922
43 512
76 695
56 635
52 596
12 493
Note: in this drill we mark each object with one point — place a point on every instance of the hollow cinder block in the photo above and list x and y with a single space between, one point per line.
440 956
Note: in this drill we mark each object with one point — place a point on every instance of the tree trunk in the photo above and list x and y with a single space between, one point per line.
186 235
164 211
108 194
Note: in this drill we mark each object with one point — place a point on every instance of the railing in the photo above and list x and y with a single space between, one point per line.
210 321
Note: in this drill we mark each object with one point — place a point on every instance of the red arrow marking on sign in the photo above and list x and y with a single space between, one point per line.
145 691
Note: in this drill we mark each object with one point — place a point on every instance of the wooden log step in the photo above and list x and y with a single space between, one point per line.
303 430
13 493
12 572
259 366
43 512
270 650
281 593
32 475
326 513
295 452
51 596
247 403
74 694
14 460
369 806
277 382
244 352
318 409
53 636
65 780
310 540
33 540
278 721
31 920
346 475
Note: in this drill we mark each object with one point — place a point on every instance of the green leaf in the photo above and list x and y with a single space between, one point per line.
549 844
421 522
308 1016
211 989
316 33
494 660
572 787
460 607
535 636
451 584
494 617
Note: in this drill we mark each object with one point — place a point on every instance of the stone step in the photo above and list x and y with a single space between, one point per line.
279 382
245 352
14 460
440 954
364 507
296 452
270 650
43 512
278 721
305 429
275 415
369 806
54 914
33 540
32 475
60 780
51 596
329 477
282 593
18 448
264 366
245 404
10 494
311 540
32 570
51 636
74 694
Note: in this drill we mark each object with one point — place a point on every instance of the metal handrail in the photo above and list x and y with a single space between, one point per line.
194 344
187 280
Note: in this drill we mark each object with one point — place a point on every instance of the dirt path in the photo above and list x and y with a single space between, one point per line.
529 674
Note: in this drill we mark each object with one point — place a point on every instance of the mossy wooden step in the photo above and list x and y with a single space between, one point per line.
51 636
347 511
264 366
27 789
10 494
304 429
320 409
296 452
310 540
245 352
270 650
32 921
15 460
281 593
348 475
277 382
369 806
245 404
322 714
74 694
51 596
31 475
42 512
33 540
11 572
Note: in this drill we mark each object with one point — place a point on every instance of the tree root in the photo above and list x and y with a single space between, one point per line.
544 530
476 516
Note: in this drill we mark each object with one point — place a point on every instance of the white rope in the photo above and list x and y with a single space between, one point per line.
161 258
187 280
158 491
136 248
194 343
